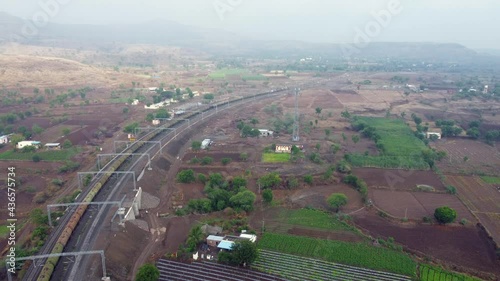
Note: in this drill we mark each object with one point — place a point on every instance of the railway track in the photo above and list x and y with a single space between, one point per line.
54 244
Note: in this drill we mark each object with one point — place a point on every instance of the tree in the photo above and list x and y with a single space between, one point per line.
327 132
244 252
254 121
308 179
147 272
162 113
36 129
225 161
190 93
67 144
403 114
417 120
318 110
243 200
186 176
150 117
345 114
196 145
355 138
36 158
445 214
267 195
125 110
269 180
473 132
66 131
344 137
16 138
195 237
337 200
209 97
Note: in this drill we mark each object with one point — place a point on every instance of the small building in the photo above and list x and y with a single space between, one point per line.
429 134
4 139
213 240
226 245
23 144
152 89
265 133
280 148
206 143
53 146
156 122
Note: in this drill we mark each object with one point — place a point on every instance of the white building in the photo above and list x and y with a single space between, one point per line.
266 133
429 134
205 143
22 144
4 139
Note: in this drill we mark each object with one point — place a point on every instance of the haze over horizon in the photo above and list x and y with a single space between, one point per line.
466 22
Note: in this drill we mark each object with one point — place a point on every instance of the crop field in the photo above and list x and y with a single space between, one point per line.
482 199
401 148
275 157
314 218
466 156
356 254
399 179
416 205
47 155
431 273
243 73
491 180
299 268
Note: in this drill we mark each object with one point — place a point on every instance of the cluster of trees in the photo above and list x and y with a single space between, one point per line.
247 130
448 128
400 79
221 193
369 132
242 253
473 130
161 113
359 184
491 136
130 128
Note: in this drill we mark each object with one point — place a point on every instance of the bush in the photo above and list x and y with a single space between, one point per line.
463 221
58 182
267 195
308 179
186 176
69 167
147 272
202 178
337 200
244 156
427 219
196 145
67 144
225 161
206 160
451 189
445 214
36 158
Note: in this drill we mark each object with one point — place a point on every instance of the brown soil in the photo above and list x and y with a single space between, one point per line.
217 156
416 205
463 246
399 179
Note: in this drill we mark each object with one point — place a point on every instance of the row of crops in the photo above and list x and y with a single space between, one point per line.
399 146
300 268
355 254
431 273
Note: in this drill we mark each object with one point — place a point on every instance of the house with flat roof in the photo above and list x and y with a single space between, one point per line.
53 146
4 139
22 144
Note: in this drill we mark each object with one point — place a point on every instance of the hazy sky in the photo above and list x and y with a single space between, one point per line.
473 23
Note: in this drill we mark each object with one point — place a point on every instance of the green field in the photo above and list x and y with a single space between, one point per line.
356 254
491 180
45 155
431 273
4 231
243 73
314 219
275 157
400 147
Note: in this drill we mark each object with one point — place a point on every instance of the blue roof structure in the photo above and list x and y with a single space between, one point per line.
226 245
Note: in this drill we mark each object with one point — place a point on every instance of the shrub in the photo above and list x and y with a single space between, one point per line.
451 189
463 221
445 214
206 160
225 161
186 176
308 179
267 195
244 156
337 200
202 178
36 158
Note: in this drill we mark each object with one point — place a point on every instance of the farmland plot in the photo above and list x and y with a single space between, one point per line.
482 199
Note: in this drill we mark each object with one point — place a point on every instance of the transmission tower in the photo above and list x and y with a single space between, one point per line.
295 136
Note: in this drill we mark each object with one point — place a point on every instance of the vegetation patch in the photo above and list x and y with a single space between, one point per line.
356 254
432 273
315 219
3 231
275 157
396 142
48 155
491 180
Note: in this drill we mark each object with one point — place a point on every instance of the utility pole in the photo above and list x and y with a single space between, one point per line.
295 136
